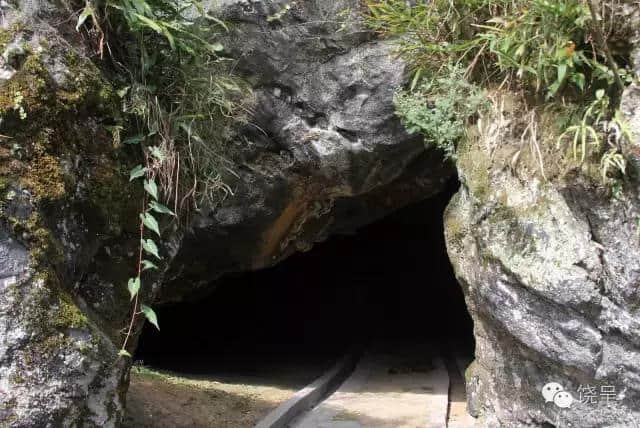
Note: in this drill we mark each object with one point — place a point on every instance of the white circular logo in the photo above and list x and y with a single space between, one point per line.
563 399
555 392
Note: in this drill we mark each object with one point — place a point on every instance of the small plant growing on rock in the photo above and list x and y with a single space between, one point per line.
599 127
17 105
584 134
441 108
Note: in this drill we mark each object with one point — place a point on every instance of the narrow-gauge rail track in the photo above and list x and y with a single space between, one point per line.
392 385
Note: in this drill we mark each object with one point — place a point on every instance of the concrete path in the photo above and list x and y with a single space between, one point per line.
458 416
393 386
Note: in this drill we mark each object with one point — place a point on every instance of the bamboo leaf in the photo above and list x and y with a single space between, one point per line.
169 38
562 72
579 80
217 21
149 23
416 79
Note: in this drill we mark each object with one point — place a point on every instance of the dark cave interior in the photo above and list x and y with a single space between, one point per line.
391 280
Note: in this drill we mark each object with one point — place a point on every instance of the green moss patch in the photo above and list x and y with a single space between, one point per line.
69 316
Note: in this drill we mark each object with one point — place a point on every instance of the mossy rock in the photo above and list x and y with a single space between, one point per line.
64 193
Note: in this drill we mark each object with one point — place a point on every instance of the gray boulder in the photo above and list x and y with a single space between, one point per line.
551 273
550 270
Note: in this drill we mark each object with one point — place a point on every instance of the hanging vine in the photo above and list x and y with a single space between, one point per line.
147 248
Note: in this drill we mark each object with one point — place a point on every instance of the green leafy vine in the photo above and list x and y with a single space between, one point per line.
178 101
150 205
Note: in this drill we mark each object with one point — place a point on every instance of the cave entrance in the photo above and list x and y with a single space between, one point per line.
389 281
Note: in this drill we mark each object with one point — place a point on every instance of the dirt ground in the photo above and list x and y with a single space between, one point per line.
163 400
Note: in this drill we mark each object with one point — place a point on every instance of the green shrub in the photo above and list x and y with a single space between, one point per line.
440 109
537 43
175 20
430 34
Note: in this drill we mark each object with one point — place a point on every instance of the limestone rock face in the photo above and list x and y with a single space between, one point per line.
551 280
551 276
323 151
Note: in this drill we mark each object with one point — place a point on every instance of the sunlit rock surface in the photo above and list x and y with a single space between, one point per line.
65 214
551 274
